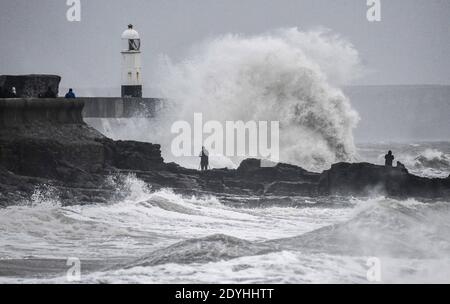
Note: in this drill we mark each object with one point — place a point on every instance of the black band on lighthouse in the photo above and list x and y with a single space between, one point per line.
132 91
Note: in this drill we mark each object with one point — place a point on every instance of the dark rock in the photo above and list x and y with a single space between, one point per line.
292 188
366 179
132 155
28 86
249 165
51 156
251 168
244 186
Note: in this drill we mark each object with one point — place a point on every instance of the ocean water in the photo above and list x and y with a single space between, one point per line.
162 237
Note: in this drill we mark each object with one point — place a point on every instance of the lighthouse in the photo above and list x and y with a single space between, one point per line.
131 63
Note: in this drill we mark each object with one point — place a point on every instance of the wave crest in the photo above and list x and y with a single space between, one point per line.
287 75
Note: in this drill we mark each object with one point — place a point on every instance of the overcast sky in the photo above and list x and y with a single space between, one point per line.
411 45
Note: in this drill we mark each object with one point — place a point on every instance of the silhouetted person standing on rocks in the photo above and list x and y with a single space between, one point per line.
204 159
1 92
70 94
48 94
389 159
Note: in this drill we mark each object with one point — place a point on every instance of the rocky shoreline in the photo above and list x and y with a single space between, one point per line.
46 142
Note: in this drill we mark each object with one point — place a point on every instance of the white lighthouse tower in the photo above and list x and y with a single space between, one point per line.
131 64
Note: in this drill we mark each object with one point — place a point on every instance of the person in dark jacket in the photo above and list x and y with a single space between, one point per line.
204 159
70 94
389 158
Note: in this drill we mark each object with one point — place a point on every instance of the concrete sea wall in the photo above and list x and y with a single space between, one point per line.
21 111
103 107
26 111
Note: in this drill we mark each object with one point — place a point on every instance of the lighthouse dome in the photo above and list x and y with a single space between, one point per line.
130 34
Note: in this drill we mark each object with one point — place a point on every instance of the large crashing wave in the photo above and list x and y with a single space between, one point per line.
288 76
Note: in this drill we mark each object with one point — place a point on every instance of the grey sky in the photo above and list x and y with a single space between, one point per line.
410 46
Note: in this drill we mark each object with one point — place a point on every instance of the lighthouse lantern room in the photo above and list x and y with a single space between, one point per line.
131 63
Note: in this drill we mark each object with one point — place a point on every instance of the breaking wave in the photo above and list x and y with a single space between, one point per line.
384 228
139 221
434 160
429 163
409 238
380 227
287 75
427 159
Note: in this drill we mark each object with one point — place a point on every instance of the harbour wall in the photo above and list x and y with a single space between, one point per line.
17 111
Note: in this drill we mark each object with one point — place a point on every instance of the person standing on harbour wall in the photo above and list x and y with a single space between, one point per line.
70 94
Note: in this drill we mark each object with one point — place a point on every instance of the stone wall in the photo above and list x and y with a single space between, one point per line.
105 107
27 111
28 86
